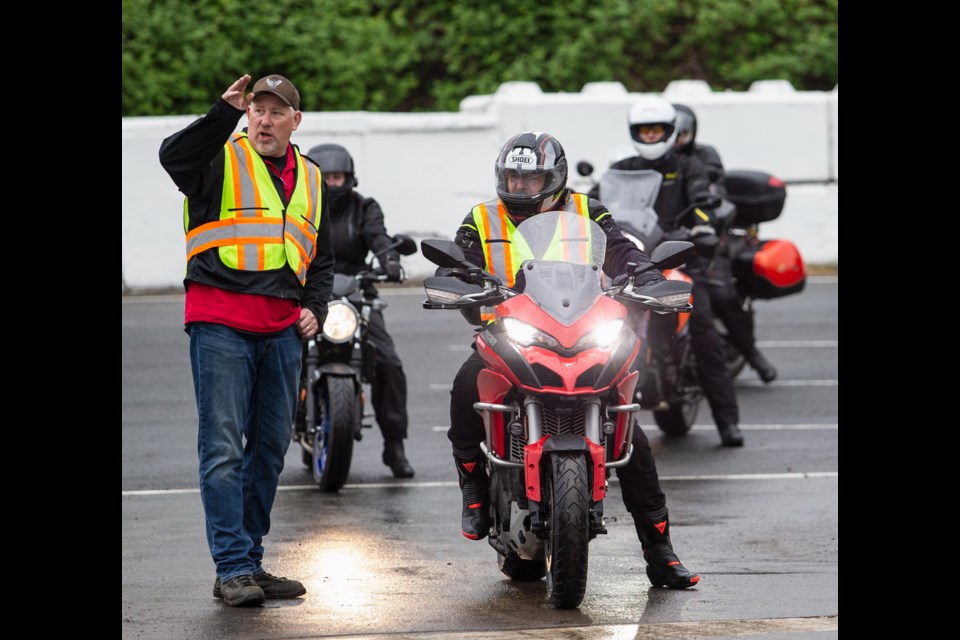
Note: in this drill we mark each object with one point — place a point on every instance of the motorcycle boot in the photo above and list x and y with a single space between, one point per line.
730 434
663 566
766 371
474 483
395 458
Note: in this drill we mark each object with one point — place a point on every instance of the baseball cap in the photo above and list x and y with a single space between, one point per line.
280 87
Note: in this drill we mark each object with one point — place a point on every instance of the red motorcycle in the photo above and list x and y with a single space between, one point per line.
557 392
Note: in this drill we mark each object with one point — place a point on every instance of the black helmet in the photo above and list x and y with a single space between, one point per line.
333 157
330 158
531 154
686 126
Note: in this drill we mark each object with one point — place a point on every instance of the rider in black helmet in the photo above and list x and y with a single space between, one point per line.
726 302
356 228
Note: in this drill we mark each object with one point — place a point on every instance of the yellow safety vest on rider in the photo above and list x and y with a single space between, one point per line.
503 256
254 231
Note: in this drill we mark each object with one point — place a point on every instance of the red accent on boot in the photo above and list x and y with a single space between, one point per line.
660 526
469 466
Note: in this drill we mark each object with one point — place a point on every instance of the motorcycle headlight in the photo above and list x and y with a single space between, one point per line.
603 336
341 322
527 335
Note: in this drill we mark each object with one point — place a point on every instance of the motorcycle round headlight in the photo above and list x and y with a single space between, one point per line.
341 322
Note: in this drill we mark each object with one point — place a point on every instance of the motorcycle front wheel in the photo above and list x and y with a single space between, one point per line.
684 399
679 418
333 445
568 520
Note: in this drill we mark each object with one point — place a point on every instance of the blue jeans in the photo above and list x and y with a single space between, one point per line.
246 389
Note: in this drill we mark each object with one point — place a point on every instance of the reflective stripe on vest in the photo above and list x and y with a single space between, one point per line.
254 231
502 256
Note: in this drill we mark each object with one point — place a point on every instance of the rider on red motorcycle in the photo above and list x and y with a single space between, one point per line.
653 127
531 174
723 292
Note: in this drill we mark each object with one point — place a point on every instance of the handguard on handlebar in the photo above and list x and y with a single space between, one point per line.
668 296
446 292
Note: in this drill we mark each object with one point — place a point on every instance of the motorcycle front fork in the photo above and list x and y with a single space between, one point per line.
305 419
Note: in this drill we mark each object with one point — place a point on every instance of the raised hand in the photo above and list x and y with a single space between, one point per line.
234 95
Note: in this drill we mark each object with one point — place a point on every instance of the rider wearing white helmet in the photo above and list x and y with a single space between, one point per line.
652 123
727 303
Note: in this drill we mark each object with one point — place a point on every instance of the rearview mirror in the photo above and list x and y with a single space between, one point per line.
408 246
444 253
672 253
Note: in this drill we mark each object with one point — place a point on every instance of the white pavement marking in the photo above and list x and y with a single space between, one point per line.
799 344
787 383
772 427
801 475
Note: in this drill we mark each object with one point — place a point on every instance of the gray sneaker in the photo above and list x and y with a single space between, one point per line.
273 587
279 588
242 591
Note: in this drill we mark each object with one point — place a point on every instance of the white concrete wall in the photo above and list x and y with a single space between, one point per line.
427 170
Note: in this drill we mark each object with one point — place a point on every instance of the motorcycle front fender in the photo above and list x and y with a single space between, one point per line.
564 444
336 369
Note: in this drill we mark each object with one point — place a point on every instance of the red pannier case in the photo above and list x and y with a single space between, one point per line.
770 269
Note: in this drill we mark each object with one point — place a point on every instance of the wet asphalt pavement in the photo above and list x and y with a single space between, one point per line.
384 557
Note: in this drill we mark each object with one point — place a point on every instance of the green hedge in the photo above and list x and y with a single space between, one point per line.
177 56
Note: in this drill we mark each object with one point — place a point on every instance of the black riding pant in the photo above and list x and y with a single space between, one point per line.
389 384
711 358
727 304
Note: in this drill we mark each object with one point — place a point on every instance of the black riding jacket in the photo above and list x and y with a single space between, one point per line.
684 181
357 227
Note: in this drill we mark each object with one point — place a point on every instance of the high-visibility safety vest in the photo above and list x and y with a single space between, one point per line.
503 256
255 232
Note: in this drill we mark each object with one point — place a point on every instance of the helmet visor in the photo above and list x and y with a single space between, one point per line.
519 175
651 132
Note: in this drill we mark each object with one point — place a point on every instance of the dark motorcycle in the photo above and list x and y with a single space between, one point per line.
336 366
671 386
556 393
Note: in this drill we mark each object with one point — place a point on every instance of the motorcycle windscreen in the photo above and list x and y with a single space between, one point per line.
630 196
563 255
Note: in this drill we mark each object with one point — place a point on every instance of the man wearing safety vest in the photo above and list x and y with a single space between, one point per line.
259 274
531 172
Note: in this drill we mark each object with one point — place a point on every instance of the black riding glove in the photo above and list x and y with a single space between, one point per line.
392 269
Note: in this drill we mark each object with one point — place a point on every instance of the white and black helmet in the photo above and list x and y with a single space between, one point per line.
652 111
531 153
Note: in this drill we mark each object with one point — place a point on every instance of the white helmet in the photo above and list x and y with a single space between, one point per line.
651 111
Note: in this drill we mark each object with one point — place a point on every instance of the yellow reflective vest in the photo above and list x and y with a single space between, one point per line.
254 231
502 255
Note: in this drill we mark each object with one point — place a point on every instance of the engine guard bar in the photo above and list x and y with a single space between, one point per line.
508 408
